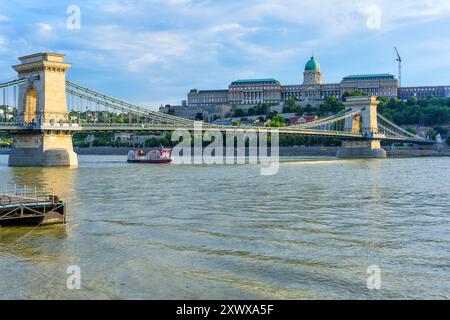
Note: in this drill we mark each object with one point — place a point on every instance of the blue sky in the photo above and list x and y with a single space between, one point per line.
152 52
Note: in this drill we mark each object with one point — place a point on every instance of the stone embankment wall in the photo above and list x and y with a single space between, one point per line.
284 152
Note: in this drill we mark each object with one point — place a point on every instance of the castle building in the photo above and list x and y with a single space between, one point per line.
248 93
422 93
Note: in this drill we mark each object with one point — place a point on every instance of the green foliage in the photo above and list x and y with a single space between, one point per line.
164 142
411 130
5 141
430 112
442 131
152 143
355 93
291 140
262 109
331 106
432 133
290 105
102 140
238 113
277 122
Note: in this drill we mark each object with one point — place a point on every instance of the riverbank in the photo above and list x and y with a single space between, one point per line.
284 152
293 152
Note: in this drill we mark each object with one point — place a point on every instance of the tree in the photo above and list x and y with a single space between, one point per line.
432 133
151 143
164 142
442 131
199 116
277 121
238 113
355 93
431 112
411 130
289 105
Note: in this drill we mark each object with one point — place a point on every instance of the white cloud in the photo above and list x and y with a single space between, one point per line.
3 18
179 2
136 51
227 27
140 64
117 6
43 27
194 41
374 15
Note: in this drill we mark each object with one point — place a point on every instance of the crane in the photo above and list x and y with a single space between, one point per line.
400 60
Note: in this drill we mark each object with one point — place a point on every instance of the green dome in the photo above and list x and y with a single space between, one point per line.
312 65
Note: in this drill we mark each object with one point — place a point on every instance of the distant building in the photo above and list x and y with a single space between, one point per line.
248 93
205 111
422 93
207 98
380 85
8 115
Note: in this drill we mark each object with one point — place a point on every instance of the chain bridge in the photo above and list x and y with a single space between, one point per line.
49 108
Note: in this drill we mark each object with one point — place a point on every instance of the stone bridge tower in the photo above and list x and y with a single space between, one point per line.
42 106
365 123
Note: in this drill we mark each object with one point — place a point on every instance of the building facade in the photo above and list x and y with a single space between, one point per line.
248 93
422 93
253 92
379 85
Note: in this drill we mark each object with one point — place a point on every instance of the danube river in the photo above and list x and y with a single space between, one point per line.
225 232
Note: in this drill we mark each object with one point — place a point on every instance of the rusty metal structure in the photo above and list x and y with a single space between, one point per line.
28 205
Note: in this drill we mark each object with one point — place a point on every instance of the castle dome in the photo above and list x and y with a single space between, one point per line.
312 65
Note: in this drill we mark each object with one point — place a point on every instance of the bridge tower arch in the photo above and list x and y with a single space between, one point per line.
366 123
41 102
30 115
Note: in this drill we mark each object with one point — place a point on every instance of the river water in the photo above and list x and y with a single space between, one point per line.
226 232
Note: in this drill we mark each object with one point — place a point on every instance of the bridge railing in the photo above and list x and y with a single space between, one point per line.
59 125
11 124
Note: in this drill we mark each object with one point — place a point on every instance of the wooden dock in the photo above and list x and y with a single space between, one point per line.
25 205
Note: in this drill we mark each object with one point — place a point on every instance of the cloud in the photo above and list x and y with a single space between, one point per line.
43 27
135 51
179 2
227 27
3 18
117 6
140 64
204 43
374 15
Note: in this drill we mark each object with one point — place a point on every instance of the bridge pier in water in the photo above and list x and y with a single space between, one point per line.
43 131
366 122
41 105
42 149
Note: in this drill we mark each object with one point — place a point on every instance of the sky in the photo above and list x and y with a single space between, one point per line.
153 52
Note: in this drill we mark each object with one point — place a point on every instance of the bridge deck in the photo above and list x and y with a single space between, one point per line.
146 127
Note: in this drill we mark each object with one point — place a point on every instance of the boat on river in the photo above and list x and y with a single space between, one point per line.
155 156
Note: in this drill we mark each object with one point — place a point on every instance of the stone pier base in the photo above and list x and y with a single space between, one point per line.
368 149
42 150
